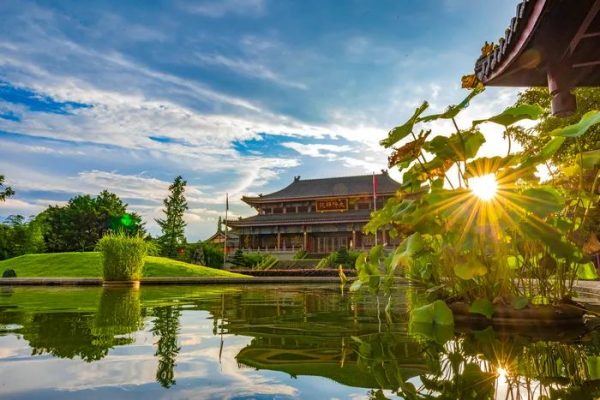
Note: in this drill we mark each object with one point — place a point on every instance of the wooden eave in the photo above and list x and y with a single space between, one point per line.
543 36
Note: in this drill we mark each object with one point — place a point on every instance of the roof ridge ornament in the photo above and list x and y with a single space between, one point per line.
296 178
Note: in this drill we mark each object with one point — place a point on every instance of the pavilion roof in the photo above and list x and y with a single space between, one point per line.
545 34
329 187
220 235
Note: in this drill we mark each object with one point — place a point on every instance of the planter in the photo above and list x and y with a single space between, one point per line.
530 317
131 284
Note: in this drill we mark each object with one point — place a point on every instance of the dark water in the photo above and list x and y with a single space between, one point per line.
308 342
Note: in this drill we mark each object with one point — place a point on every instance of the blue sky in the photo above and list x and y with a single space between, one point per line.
236 96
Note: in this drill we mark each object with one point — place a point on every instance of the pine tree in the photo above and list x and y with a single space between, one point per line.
238 258
173 225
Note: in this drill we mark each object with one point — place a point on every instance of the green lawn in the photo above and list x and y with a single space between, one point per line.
84 265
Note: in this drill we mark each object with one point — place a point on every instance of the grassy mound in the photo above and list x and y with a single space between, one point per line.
89 265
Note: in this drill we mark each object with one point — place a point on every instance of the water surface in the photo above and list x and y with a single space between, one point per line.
268 342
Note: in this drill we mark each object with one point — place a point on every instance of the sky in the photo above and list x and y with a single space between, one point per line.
236 96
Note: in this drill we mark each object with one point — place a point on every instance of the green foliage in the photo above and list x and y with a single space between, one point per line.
588 120
213 255
9 273
79 225
173 225
483 307
587 271
514 114
328 261
478 250
18 237
238 258
5 191
300 254
400 132
436 313
122 256
203 253
342 257
519 302
268 261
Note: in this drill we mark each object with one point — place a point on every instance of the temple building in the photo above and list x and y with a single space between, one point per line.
317 215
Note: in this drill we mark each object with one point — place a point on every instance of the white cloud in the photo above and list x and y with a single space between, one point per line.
219 8
330 151
248 68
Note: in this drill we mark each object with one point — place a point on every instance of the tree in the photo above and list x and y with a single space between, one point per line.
238 258
84 220
18 237
534 139
173 225
5 191
220 225
538 136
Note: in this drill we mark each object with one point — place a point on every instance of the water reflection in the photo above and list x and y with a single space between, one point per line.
165 327
277 342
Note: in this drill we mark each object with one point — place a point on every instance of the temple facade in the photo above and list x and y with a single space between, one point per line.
317 215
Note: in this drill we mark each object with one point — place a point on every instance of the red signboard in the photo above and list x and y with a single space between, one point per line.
332 205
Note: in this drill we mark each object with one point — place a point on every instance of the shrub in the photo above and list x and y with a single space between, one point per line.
327 261
213 255
122 256
9 273
201 253
267 262
300 254
238 258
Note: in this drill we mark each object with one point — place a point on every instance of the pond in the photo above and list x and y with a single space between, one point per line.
266 342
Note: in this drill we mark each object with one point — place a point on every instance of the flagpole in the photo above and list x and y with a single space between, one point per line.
375 201
225 241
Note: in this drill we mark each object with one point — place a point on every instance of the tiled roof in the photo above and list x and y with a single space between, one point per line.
485 65
302 218
544 32
330 187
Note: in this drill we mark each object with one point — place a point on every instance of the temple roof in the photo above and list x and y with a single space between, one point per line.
545 34
221 235
302 218
329 187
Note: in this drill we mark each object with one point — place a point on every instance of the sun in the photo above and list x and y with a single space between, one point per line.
484 187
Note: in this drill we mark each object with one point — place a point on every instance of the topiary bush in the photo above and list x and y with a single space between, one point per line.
9 273
122 256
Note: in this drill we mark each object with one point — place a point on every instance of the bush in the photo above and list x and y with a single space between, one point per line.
122 256
9 273
300 254
328 261
238 258
267 262
213 255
